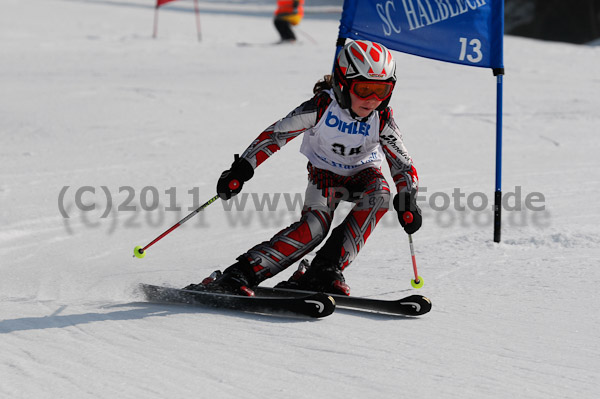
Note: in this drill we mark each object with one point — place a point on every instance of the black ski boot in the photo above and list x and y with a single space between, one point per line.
236 279
320 276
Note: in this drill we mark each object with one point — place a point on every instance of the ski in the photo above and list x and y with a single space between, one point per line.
311 304
412 305
266 44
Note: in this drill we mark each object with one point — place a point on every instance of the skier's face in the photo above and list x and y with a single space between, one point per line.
363 107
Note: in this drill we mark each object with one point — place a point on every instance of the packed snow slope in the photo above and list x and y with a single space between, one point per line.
94 112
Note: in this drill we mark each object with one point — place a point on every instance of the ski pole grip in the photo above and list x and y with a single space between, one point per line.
234 184
408 217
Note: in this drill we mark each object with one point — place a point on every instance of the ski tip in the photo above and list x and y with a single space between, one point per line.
319 305
419 303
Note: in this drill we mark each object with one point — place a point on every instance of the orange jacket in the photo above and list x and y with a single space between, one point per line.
290 7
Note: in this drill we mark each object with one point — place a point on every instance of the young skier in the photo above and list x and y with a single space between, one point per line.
348 130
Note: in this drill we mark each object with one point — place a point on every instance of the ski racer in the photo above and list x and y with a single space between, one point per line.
348 130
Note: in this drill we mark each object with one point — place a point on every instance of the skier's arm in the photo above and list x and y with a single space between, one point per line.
401 164
270 141
403 172
283 131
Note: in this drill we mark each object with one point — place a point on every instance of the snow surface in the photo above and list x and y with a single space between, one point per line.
90 100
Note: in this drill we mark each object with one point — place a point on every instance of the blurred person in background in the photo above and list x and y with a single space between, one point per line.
288 13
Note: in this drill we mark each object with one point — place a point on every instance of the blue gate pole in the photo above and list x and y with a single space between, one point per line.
499 73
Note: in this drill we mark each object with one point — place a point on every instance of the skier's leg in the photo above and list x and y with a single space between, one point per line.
291 244
347 239
286 247
285 29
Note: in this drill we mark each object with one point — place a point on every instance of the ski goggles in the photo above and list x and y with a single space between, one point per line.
367 89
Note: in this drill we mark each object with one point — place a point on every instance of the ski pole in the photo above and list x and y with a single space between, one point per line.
309 37
417 282
140 252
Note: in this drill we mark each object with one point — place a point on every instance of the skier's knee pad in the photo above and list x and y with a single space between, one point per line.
318 221
378 200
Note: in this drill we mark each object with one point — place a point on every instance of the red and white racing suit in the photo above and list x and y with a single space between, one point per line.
345 157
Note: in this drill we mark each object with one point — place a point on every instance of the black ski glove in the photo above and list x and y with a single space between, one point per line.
407 202
232 180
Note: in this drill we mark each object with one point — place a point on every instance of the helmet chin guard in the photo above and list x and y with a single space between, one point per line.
362 60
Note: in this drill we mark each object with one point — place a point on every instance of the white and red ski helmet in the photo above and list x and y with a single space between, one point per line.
362 60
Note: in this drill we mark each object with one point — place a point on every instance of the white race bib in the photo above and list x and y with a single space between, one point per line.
342 144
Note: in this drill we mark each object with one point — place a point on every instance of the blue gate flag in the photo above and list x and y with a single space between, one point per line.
468 32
